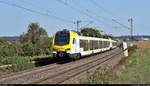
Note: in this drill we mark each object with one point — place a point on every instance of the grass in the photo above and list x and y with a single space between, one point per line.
40 57
137 72
20 63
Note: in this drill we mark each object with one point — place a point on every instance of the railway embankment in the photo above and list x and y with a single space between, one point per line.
61 72
134 69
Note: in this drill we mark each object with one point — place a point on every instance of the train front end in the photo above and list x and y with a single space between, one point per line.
62 42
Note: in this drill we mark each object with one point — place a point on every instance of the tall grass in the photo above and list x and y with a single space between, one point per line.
137 72
19 63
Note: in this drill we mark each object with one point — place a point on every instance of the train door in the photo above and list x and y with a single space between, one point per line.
75 45
110 45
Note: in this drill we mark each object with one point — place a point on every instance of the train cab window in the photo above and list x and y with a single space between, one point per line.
62 38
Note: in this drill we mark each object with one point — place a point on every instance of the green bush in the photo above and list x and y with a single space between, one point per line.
19 63
7 50
28 49
47 51
133 48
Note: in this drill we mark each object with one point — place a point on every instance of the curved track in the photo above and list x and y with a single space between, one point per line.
58 73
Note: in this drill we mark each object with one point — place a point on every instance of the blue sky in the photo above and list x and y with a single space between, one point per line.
14 21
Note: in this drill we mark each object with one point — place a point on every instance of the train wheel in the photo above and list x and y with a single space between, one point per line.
76 57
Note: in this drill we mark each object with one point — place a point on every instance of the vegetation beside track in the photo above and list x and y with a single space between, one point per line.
32 46
20 63
137 72
125 67
134 69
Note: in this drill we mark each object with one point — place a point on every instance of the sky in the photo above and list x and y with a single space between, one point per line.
56 15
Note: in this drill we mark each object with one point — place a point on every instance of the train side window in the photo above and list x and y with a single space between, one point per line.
84 44
101 44
91 45
73 40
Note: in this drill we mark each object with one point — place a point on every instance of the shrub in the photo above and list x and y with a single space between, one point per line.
133 48
47 51
19 63
28 49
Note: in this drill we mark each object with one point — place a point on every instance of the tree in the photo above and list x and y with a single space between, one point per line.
3 42
94 32
90 32
34 34
38 37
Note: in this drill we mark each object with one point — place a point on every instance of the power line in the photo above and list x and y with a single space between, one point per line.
121 24
37 5
94 14
34 11
62 2
100 17
99 6
78 10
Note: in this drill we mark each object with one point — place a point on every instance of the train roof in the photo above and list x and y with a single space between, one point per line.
88 37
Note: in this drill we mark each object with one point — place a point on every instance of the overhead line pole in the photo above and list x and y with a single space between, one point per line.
131 21
131 28
78 22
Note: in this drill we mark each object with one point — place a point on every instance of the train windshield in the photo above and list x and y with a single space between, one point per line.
62 38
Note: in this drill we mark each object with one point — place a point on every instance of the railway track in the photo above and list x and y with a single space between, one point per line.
58 73
68 74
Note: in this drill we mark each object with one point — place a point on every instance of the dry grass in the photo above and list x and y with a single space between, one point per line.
144 45
137 72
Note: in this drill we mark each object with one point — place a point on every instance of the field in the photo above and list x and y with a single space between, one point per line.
137 72
144 45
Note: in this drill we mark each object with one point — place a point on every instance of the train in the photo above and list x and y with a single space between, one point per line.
69 44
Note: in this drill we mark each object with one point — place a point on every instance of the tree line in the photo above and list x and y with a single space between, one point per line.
34 42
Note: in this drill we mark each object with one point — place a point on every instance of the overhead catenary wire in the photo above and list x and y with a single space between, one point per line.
89 11
78 10
107 24
110 13
95 15
105 10
62 2
121 24
35 11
